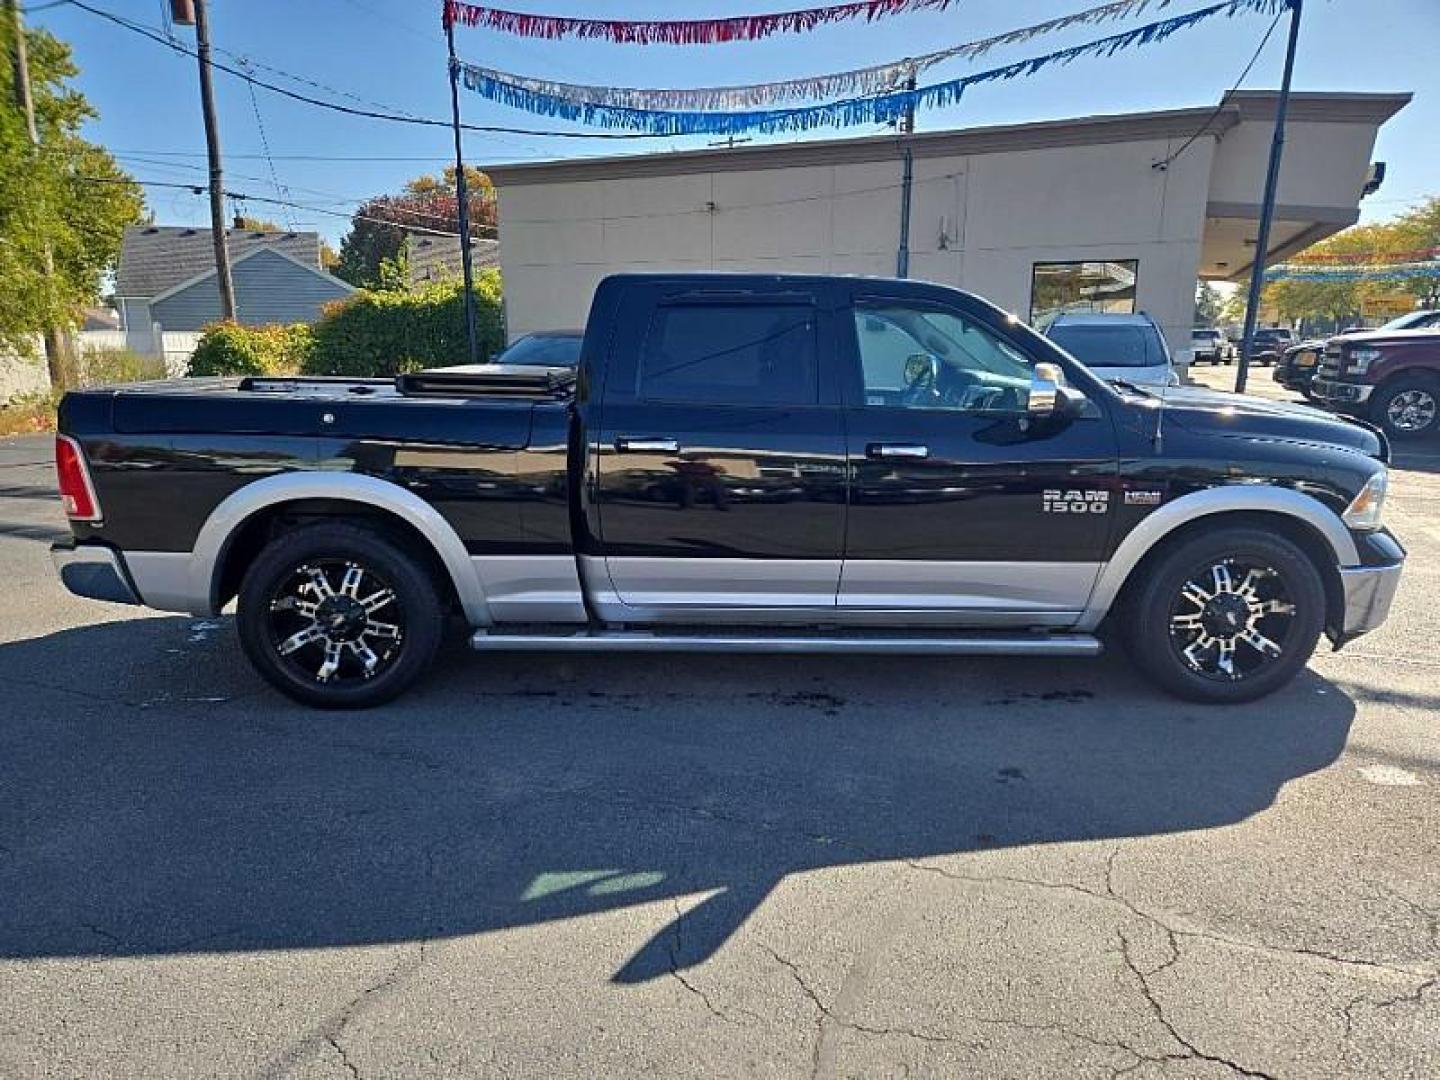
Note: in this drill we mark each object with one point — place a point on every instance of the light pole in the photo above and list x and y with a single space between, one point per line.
1267 206
462 197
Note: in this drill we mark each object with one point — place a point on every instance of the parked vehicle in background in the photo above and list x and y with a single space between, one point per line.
742 463
1390 377
1300 363
1128 347
1209 344
543 348
1270 343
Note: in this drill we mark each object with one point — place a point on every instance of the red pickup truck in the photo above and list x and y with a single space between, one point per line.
1391 377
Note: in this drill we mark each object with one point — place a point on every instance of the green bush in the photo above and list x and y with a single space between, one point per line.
105 366
232 349
386 333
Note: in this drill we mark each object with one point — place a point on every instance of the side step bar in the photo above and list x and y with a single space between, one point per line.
911 645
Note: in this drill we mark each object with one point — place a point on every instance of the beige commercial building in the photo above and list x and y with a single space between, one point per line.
1114 212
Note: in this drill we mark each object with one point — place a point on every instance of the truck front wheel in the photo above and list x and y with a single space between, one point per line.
1408 407
1226 616
338 616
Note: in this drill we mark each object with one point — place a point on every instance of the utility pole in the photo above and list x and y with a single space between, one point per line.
54 340
907 176
462 198
1267 206
212 149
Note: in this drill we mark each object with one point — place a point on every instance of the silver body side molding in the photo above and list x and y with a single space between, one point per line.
531 588
639 641
185 581
899 584
1218 500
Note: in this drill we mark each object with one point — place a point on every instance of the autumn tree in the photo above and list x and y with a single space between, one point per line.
372 253
68 195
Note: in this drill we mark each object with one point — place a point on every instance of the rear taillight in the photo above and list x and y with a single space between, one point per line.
76 491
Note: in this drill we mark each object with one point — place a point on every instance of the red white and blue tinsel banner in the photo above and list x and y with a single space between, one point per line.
872 109
679 31
856 82
1344 275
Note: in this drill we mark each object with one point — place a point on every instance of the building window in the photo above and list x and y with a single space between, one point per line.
1082 286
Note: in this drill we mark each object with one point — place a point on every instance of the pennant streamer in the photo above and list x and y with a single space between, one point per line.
876 109
855 83
1393 272
683 32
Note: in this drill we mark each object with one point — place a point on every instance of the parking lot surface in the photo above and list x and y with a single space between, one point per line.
709 866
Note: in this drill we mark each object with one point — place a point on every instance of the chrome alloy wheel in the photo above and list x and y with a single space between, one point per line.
336 622
1231 619
1411 410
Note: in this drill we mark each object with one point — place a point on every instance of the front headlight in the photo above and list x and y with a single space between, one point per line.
1365 510
1358 360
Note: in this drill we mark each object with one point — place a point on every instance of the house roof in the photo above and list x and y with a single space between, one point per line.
236 260
156 258
435 257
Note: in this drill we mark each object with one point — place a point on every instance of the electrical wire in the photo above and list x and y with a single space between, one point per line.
368 114
269 161
201 189
1165 163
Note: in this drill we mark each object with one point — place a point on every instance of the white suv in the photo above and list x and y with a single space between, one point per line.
1128 347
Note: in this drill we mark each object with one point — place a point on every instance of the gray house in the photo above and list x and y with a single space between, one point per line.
166 280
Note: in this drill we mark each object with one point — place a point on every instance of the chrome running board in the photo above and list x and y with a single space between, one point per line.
909 644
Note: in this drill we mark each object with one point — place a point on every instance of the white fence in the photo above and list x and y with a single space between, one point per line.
22 376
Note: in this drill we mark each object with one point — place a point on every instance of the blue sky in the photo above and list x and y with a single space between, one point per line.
392 53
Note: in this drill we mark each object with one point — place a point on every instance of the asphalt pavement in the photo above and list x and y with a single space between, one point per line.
540 866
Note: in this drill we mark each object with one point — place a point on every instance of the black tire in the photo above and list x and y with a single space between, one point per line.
282 603
1165 626
1408 407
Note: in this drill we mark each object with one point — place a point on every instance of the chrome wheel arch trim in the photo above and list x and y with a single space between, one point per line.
237 508
1264 498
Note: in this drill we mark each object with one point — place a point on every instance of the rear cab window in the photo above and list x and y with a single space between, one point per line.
753 353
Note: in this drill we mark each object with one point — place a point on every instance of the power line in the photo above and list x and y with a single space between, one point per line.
1224 98
265 146
368 114
201 189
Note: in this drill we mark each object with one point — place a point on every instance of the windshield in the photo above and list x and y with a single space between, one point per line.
1110 346
548 350
1413 320
1204 335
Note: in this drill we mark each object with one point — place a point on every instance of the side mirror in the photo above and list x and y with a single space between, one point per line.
1045 383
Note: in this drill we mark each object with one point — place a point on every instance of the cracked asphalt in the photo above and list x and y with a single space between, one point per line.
563 866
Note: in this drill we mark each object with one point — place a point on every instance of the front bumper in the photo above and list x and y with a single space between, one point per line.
1333 392
1369 592
93 571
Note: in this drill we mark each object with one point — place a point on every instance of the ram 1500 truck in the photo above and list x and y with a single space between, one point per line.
739 463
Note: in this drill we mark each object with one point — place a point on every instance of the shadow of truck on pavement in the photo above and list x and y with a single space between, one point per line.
138 818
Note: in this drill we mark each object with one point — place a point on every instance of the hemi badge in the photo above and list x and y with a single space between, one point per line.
1142 498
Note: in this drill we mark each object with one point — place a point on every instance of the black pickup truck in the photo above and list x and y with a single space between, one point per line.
739 463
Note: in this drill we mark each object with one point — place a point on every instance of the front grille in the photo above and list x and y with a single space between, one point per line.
1330 365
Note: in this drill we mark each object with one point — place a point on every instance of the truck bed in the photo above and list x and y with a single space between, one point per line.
481 405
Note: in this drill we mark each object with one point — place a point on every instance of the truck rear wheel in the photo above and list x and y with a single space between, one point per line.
1408 408
338 616
1226 616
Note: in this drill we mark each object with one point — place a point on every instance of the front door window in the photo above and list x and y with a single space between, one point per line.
932 358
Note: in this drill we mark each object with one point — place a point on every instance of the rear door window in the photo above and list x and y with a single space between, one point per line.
731 354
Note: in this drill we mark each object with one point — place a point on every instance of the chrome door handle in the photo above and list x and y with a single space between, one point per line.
633 444
912 451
